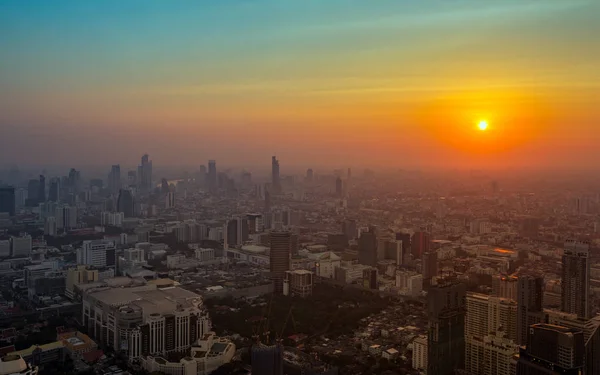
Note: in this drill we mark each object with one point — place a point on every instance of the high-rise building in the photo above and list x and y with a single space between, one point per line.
145 174
275 178
50 227
7 200
504 286
529 305
267 201
20 246
132 179
74 181
170 199
552 349
429 266
212 176
349 229
406 245
490 330
97 253
420 244
267 360
33 189
339 187
126 203
367 248
309 175
54 190
66 217
114 179
279 258
4 248
419 357
42 189
446 328
576 279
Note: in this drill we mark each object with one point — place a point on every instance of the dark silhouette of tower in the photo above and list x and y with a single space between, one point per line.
552 350
430 266
164 186
420 244
276 180
33 189
279 257
7 200
349 229
367 248
446 332
529 305
339 187
267 360
54 190
212 176
42 189
309 175
576 279
125 203
114 179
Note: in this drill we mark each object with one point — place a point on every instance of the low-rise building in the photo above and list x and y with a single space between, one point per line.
15 365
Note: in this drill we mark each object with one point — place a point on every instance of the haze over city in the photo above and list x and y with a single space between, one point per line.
386 83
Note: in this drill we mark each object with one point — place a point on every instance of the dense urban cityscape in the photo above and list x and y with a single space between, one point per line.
328 272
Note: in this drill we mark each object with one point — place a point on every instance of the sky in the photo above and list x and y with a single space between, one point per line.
335 82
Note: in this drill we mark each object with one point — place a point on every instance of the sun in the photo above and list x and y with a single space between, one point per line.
482 125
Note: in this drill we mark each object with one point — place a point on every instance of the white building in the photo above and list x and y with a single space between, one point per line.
97 253
66 217
50 226
20 246
326 263
179 261
205 255
170 200
480 227
114 219
410 283
419 357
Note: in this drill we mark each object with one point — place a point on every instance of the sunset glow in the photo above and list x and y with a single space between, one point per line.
483 125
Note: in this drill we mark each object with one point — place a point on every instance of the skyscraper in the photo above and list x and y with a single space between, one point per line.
281 243
276 180
349 229
145 174
114 179
54 190
552 350
367 248
309 175
125 203
212 176
576 279
33 189
42 189
446 328
339 187
529 302
420 244
429 266
7 200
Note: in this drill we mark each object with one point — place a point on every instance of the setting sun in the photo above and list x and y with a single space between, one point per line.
483 125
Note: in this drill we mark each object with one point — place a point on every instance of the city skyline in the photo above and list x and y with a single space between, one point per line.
396 83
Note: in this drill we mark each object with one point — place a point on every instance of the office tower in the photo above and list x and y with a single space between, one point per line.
20 246
42 189
429 266
125 203
552 349
132 179
370 278
97 253
7 200
114 179
50 227
576 279
170 200
294 245
446 328
490 334
54 190
367 248
419 356
267 360
309 175
275 178
420 244
74 181
66 217
33 189
406 245
349 229
505 286
279 258
212 176
145 174
529 305
338 187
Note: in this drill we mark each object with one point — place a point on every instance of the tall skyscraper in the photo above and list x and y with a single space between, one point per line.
281 244
8 200
33 189
367 248
212 176
132 179
145 174
125 203
446 328
529 305
349 229
339 189
276 179
114 179
420 244
576 279
54 190
429 266
74 181
552 350
309 175
42 189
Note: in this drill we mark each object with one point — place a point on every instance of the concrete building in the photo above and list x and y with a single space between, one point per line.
325 264
409 282
4 248
97 253
279 258
419 355
367 248
77 344
298 283
12 364
114 219
145 320
576 279
20 246
529 305
79 275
